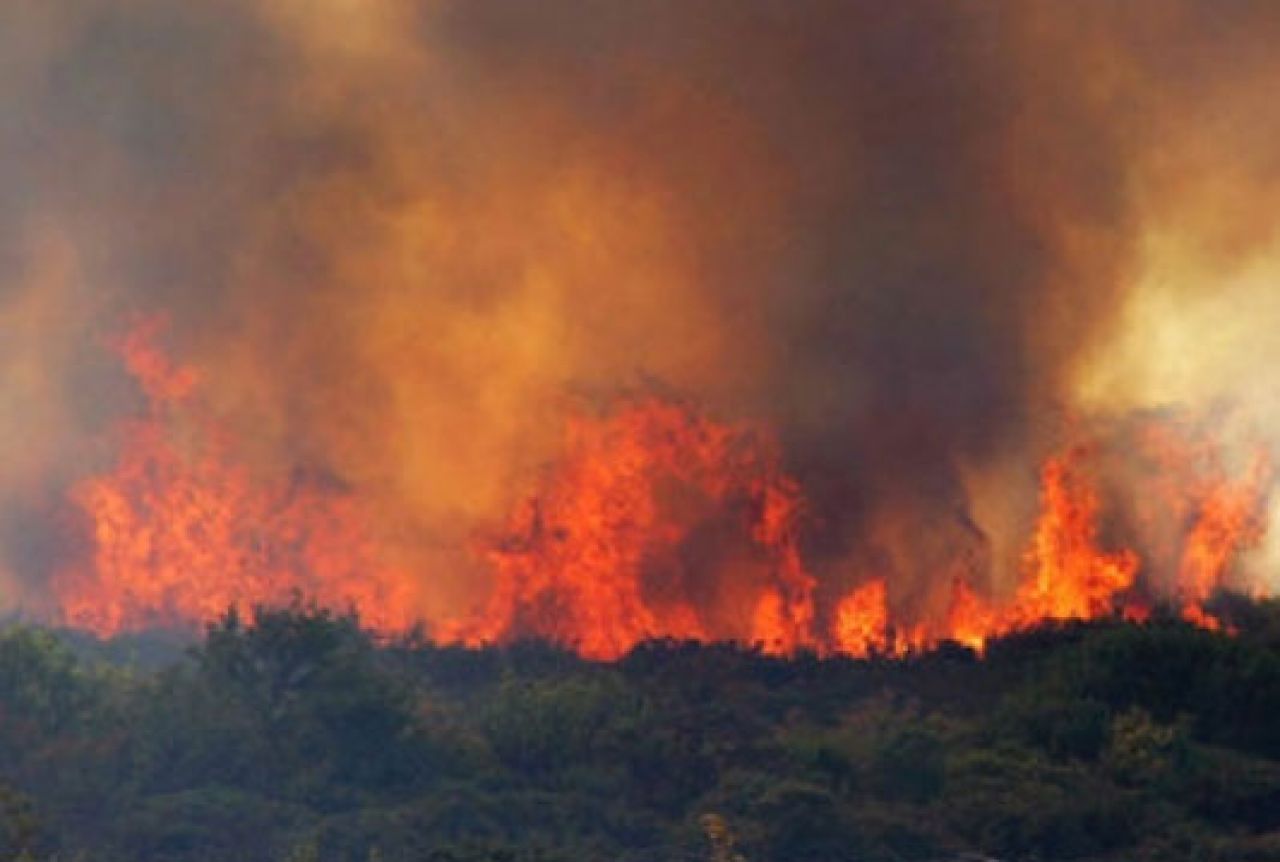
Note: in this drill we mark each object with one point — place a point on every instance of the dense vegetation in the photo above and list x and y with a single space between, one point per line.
296 736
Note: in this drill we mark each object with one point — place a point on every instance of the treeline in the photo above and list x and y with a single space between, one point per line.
295 735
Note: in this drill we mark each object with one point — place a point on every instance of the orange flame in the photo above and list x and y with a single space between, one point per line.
180 533
971 620
1229 520
862 620
1067 575
606 554
1217 516
657 521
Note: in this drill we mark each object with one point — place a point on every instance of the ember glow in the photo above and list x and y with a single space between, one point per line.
854 328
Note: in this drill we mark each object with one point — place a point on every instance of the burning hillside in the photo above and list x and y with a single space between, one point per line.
846 328
655 521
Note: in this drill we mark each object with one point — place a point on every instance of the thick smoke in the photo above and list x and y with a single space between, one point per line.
401 239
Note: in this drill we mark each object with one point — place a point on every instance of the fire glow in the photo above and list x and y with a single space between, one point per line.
656 521
180 532
852 328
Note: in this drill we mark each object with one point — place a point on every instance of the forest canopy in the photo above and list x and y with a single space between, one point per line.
295 734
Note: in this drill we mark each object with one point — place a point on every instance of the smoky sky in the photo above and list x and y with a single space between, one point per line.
395 235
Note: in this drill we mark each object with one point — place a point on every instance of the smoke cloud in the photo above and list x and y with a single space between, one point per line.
401 240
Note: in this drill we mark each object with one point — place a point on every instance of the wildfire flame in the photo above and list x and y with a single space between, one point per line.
656 521
1068 576
862 619
1229 520
180 532
603 556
